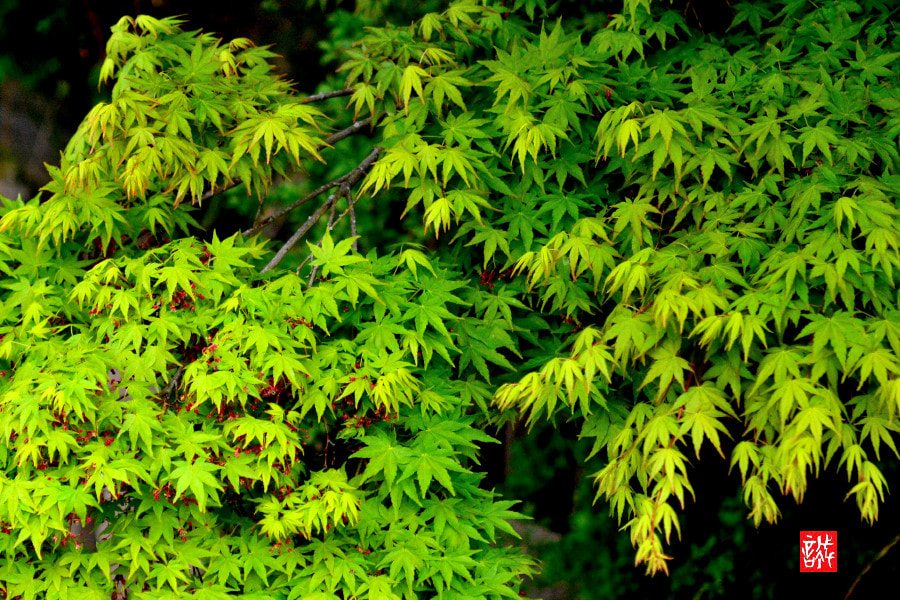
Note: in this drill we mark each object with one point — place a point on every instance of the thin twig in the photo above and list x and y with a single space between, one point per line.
310 196
327 95
327 142
350 204
303 264
872 562
348 181
349 210
315 270
312 273
216 191
167 392
356 127
298 234
259 224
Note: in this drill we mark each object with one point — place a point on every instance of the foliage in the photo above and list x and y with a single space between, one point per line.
715 220
231 432
672 240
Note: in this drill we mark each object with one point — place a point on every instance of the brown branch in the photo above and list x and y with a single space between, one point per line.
355 128
327 142
327 95
167 392
310 196
345 182
216 191
344 191
303 264
298 234
365 164
349 210
353 224
872 562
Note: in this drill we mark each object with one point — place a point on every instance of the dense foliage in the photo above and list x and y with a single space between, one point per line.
672 240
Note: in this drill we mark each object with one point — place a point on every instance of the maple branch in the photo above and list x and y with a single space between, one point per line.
298 234
303 264
643 308
343 192
167 392
326 95
310 196
355 128
351 204
216 191
326 143
878 556
316 192
353 224
346 182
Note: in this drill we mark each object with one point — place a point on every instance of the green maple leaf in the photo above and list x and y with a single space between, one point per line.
385 456
198 477
333 258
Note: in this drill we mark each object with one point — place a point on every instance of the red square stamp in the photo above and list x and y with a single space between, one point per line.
818 551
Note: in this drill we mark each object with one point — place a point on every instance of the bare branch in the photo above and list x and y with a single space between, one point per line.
303 264
350 203
356 127
346 182
326 143
298 234
360 170
349 210
216 191
878 556
343 192
350 178
326 96
167 391
310 196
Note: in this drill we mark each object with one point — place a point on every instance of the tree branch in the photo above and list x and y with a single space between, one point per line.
327 142
167 391
298 234
349 209
878 556
310 196
350 204
327 95
346 178
216 191
344 191
345 182
356 127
